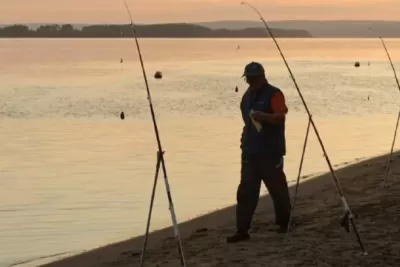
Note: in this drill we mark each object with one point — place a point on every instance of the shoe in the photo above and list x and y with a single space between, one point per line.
237 237
282 230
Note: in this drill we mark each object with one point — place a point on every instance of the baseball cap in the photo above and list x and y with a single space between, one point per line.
253 69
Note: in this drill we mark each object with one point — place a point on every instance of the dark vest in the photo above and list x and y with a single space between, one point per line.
270 141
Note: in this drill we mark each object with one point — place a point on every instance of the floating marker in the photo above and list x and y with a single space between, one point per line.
122 115
236 89
158 75
357 64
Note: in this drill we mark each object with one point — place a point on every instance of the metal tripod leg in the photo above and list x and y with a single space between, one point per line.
298 177
173 215
142 257
391 151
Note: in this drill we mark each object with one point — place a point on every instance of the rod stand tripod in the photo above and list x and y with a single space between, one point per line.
161 163
346 220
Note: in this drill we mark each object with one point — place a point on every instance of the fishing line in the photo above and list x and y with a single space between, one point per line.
347 219
237 51
160 161
121 61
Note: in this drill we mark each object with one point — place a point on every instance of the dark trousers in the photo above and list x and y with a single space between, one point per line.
268 169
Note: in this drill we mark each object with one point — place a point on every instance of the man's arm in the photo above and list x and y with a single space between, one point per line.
279 110
241 108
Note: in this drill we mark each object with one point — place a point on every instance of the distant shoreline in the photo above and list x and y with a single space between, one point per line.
174 30
239 28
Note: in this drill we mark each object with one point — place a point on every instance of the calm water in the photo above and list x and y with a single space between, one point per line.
73 176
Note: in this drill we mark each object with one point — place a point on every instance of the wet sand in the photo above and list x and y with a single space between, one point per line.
316 240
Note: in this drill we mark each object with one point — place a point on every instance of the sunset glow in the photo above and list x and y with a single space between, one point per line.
150 11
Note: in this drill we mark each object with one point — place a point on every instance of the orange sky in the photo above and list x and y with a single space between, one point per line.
109 11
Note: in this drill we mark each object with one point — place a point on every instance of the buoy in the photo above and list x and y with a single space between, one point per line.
236 89
357 64
158 75
122 115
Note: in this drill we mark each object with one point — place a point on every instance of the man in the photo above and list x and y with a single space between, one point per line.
263 147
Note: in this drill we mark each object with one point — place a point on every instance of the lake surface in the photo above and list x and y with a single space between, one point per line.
73 176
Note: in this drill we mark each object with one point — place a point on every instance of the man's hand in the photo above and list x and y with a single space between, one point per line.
259 116
276 118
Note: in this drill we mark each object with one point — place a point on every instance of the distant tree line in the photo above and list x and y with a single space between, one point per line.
176 30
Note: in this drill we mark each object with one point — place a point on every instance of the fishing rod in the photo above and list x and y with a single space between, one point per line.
398 116
160 161
348 218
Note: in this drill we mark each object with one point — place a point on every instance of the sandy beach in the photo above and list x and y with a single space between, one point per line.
316 240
